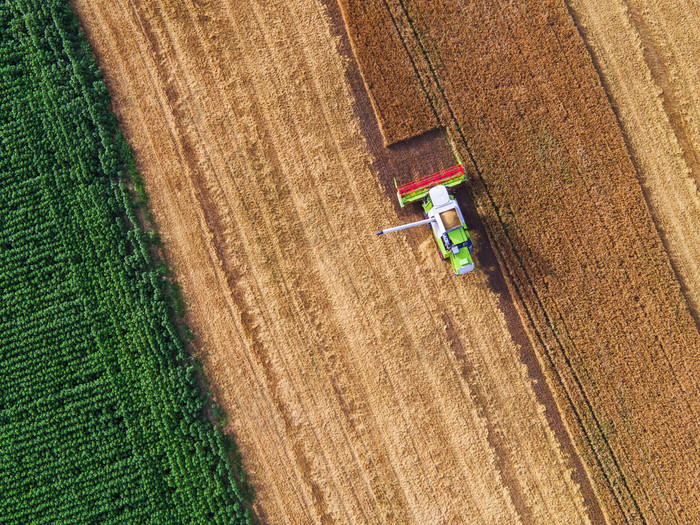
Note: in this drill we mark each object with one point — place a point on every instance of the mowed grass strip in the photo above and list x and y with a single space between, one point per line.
101 415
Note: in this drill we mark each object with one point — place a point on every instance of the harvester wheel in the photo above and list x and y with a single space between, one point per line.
442 257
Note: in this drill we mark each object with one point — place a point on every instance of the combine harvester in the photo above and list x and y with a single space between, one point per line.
442 214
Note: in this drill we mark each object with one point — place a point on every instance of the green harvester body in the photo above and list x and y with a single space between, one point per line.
442 215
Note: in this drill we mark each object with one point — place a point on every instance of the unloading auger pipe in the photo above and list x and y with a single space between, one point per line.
409 225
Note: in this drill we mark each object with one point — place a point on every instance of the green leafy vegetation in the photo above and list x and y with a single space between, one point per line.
101 415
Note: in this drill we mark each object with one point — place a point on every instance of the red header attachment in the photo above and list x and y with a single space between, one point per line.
416 190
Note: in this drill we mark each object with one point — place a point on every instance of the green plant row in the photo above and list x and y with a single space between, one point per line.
101 415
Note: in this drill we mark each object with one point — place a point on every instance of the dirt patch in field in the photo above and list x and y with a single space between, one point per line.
363 383
560 198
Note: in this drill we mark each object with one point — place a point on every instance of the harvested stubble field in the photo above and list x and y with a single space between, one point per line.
363 383
560 197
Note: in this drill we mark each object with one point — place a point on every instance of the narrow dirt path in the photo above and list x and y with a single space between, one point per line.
363 383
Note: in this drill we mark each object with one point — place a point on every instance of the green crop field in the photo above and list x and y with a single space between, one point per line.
101 415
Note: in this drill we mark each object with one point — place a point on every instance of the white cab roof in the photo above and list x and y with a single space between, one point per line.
439 196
